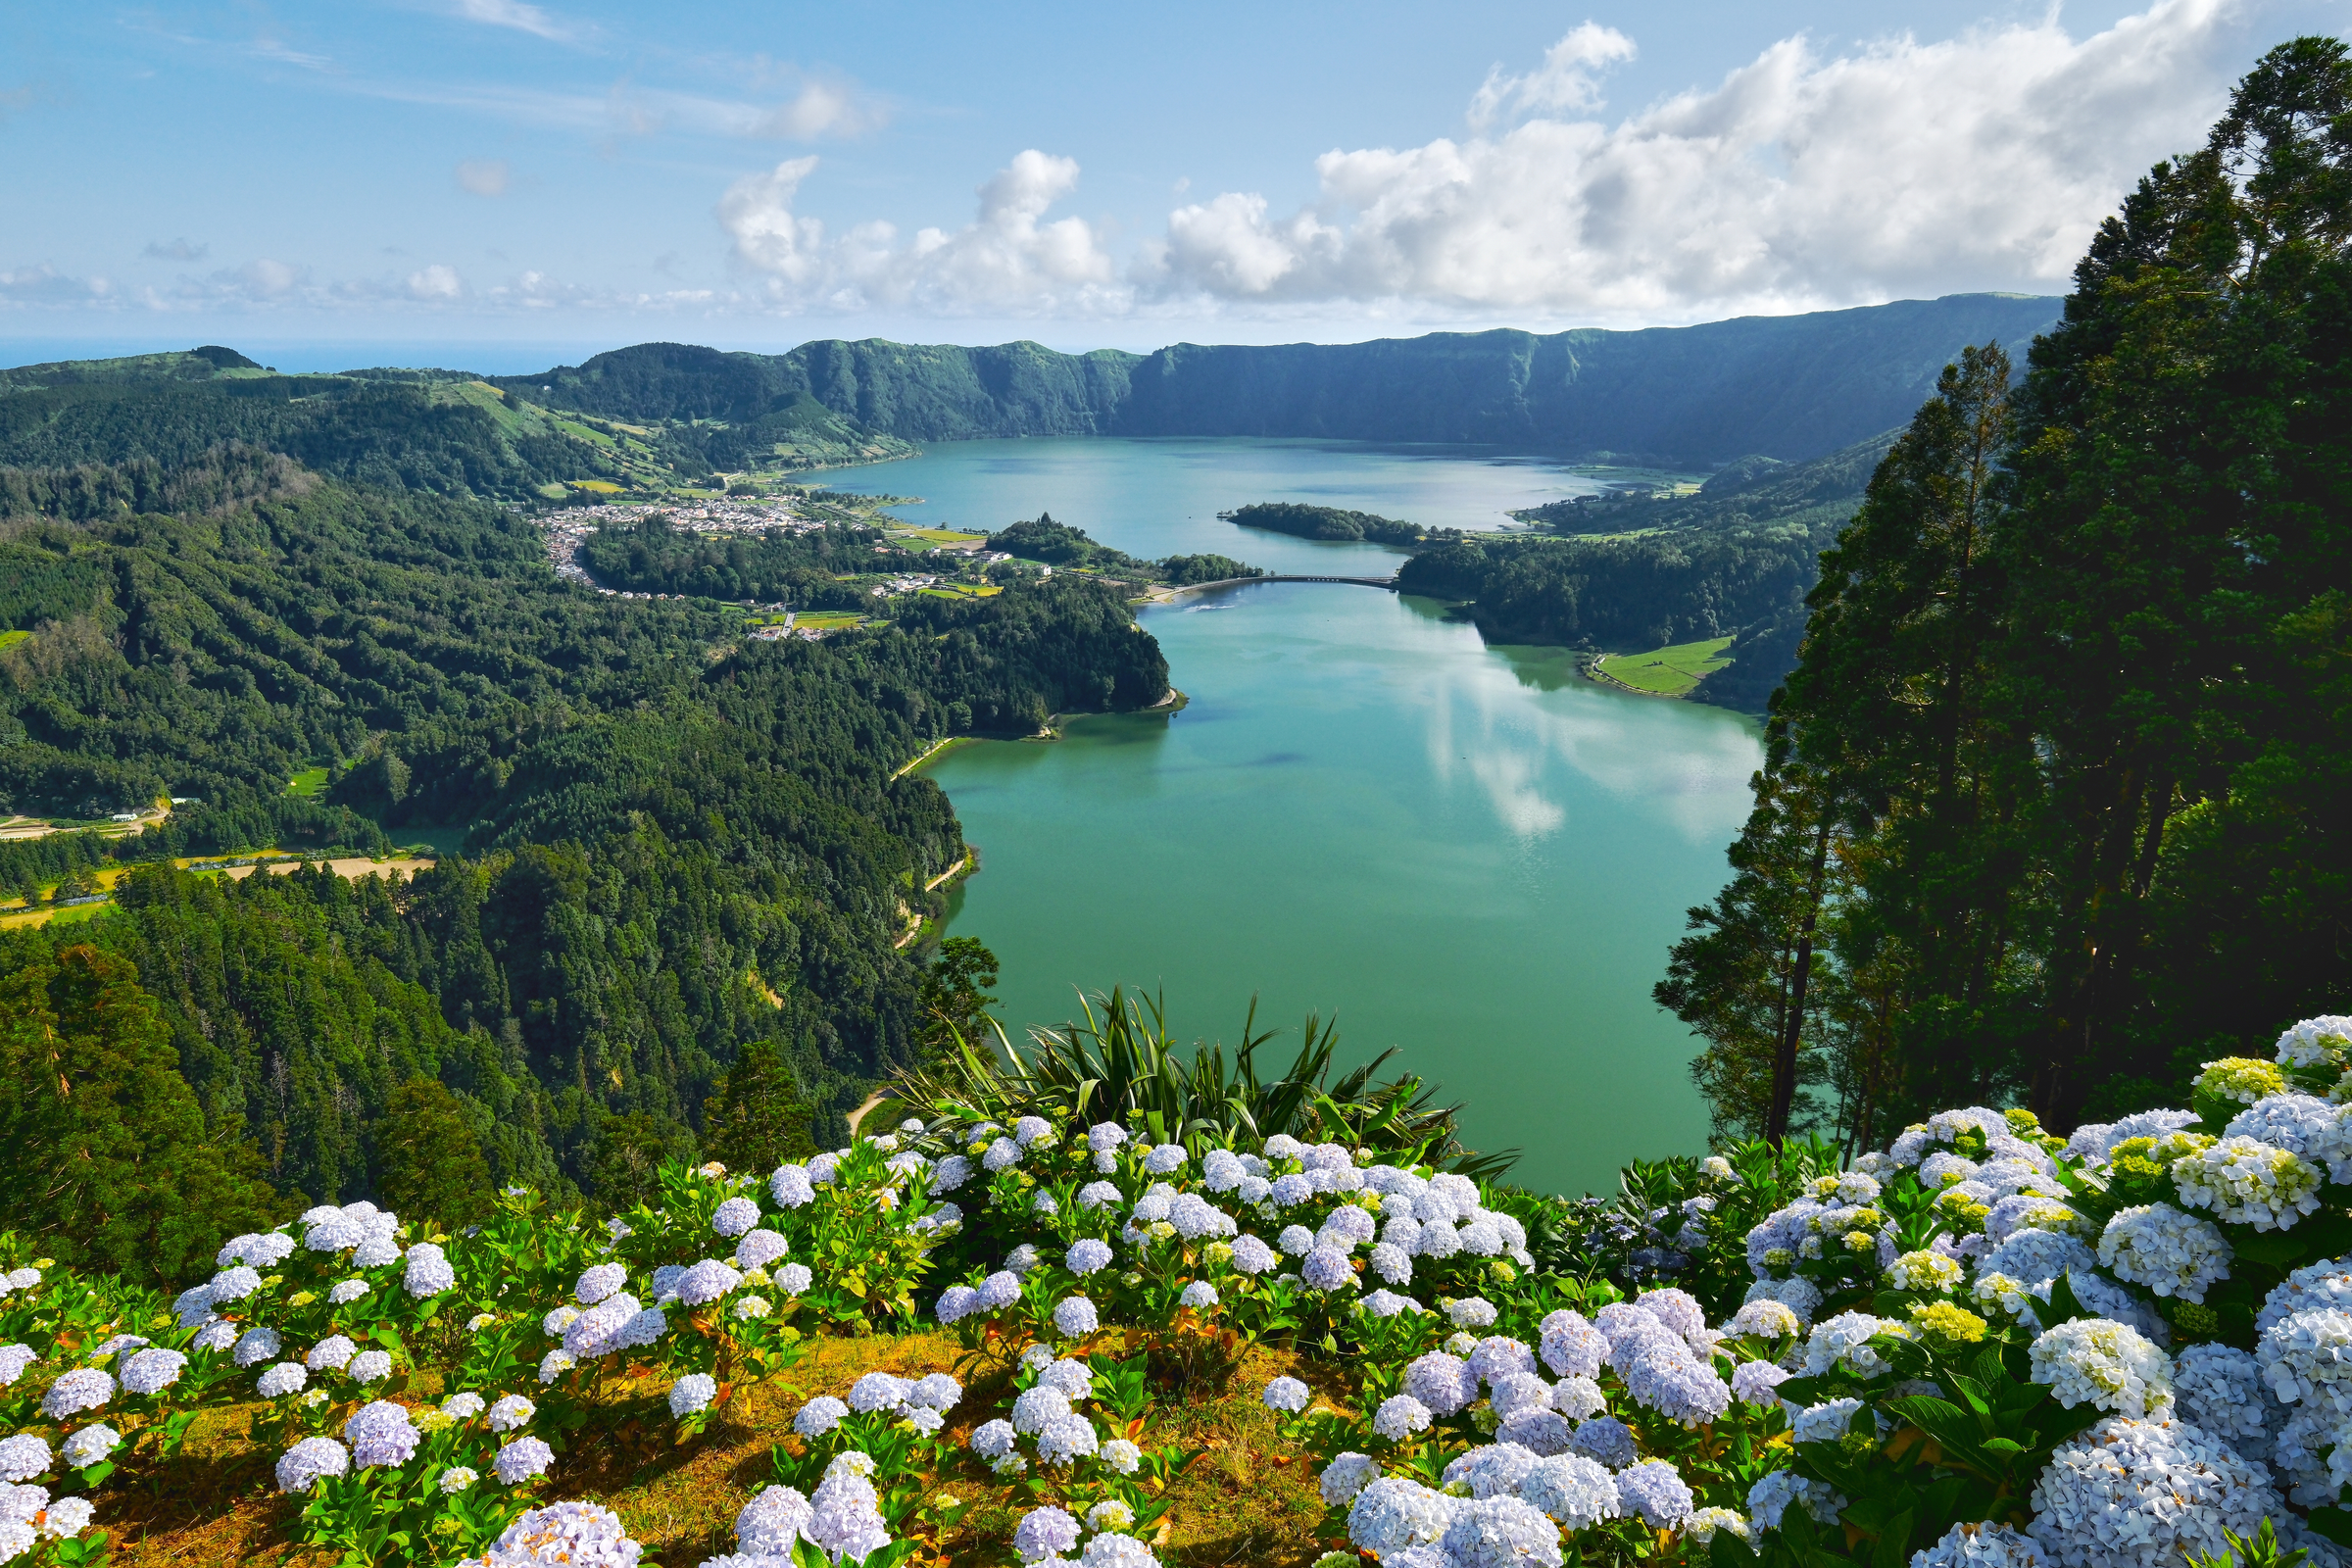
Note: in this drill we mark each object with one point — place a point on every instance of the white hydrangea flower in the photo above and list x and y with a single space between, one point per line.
2248 1182
2321 1042
2103 1363
1845 1341
2171 1252
2146 1494
2304 1124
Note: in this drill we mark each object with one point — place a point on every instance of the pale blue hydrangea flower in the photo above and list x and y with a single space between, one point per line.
1536 1429
770 1523
427 1271
1769 1499
1572 1491
463 1406
1252 1256
1488 1471
735 1216
956 1304
877 1391
707 1281
1287 1395
152 1370
1122 1456
993 1439
1200 1294
331 1353
1388 1304
523 1461
1392 1513
301 1466
379 1434
819 1416
1400 1416
758 1248
13 1359
1346 1475
555 1364
794 1278
217 1335
1441 1381
288 1377
1501 1532
935 1392
845 1515
1075 1317
23 1456
1164 1159
791 1187
455 1479
346 1292
234 1284
949 1173
1043 1533
370 1366
1655 1489
692 1393
1606 1438
512 1413
999 1290
82 1389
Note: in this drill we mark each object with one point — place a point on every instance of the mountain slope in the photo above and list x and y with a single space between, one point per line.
1789 387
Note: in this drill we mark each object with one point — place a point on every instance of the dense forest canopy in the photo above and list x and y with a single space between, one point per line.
2055 801
677 843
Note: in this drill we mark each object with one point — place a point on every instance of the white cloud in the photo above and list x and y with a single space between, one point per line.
1800 182
521 18
1008 259
485 177
178 250
435 282
1566 79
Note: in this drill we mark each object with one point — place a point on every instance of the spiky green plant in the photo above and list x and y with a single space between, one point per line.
1119 1063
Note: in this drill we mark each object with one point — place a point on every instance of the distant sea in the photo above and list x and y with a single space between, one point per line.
321 355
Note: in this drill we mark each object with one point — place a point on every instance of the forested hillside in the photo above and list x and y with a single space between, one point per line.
679 844
1791 388
1737 560
2056 797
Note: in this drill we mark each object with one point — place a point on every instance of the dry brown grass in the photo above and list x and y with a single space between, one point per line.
1247 1499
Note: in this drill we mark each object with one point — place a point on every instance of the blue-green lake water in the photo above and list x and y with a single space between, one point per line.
1463 851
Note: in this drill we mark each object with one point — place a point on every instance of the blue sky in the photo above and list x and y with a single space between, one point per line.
525 181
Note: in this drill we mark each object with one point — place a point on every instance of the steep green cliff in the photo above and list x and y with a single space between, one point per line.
1791 388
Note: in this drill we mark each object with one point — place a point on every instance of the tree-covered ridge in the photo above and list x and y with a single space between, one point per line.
686 843
1795 388
2054 796
1306 521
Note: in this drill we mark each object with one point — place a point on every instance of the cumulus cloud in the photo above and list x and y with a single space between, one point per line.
1801 181
1568 79
435 282
1008 259
483 176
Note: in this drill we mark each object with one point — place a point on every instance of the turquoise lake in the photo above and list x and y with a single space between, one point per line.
1463 851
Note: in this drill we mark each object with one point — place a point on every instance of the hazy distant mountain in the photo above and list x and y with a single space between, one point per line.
1789 386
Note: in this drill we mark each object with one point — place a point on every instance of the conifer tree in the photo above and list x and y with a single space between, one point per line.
102 1140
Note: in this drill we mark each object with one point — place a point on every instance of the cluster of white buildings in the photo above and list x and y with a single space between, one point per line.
569 530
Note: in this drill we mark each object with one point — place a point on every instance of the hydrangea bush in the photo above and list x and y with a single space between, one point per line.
1983 1343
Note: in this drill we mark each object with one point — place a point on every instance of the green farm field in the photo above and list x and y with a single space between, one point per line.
1665 671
